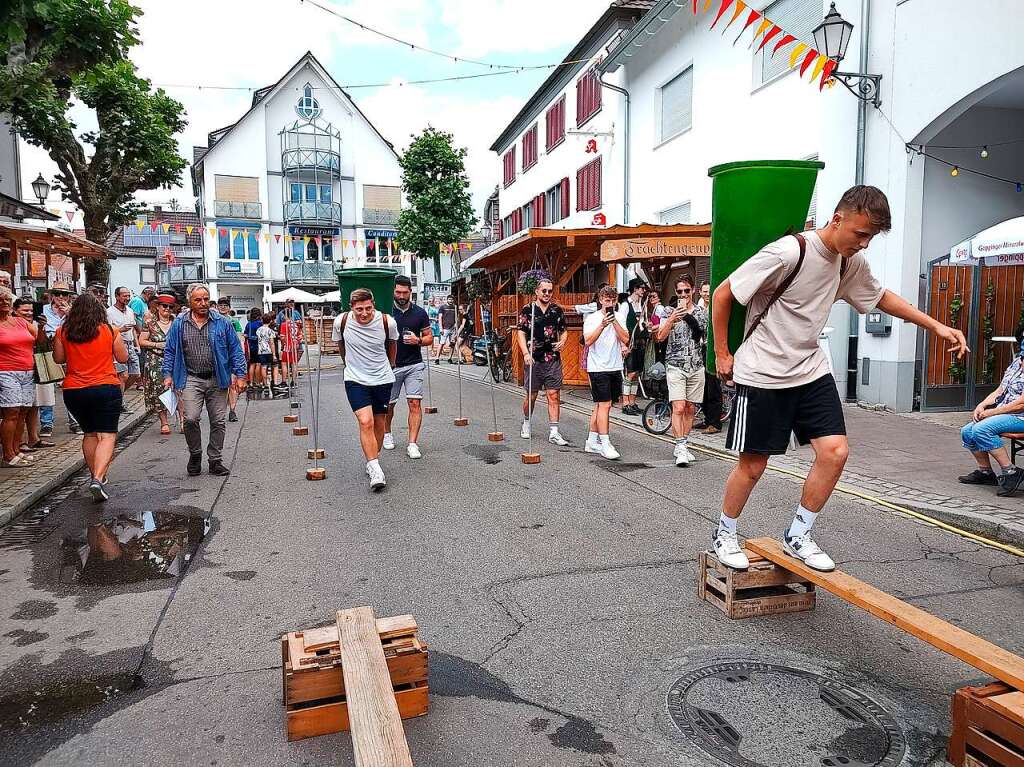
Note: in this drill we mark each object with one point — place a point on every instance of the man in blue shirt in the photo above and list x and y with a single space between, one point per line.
54 313
140 303
413 333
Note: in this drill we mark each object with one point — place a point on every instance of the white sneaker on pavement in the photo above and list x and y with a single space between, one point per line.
389 442
558 439
728 551
377 480
592 447
682 455
803 547
689 456
525 431
608 451
413 450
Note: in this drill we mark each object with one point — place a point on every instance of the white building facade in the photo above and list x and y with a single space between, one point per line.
952 79
302 185
561 160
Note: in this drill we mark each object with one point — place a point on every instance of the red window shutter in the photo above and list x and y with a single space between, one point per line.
501 230
596 201
565 198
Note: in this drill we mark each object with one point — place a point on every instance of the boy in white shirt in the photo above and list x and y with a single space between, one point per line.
604 331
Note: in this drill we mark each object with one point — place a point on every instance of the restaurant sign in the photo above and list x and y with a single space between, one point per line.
655 247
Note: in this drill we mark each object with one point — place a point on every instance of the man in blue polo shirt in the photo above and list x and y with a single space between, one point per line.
413 333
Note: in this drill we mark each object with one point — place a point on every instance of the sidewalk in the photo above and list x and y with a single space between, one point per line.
20 488
910 460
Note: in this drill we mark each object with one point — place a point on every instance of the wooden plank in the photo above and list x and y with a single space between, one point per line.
378 739
1010 705
329 682
971 649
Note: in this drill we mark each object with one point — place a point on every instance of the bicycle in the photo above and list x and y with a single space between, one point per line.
501 357
657 416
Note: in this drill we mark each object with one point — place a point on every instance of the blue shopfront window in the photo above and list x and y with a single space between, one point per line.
325 193
298 249
223 243
254 244
296 193
327 250
310 192
238 244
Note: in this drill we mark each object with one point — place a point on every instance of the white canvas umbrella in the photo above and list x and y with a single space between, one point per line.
333 296
296 295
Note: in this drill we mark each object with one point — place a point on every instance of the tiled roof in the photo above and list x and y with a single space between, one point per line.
193 242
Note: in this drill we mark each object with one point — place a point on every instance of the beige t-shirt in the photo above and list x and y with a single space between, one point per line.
783 351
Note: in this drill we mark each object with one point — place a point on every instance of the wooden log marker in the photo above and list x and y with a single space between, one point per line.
430 410
300 431
971 649
291 419
462 422
316 474
317 454
378 739
496 436
531 457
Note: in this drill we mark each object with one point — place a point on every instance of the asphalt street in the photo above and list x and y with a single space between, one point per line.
558 601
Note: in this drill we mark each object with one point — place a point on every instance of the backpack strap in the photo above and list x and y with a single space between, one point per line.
783 286
384 319
341 341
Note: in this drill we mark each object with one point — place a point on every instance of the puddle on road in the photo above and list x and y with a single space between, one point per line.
23 710
489 454
129 548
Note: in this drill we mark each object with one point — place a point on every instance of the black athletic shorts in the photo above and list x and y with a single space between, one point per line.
762 419
606 387
97 409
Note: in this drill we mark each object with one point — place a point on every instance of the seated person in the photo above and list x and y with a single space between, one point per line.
1001 412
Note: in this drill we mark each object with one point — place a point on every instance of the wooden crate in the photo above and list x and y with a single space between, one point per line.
988 727
313 681
762 589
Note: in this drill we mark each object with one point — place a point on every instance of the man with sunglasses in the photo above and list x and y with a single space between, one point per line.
684 329
541 336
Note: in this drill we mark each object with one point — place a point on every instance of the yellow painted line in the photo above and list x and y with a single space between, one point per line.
724 455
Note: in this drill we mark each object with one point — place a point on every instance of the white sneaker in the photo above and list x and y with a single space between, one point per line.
413 450
728 551
525 431
592 447
377 480
608 451
558 439
389 442
803 547
682 455
689 456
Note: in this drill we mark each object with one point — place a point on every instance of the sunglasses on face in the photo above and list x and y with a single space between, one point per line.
542 290
684 292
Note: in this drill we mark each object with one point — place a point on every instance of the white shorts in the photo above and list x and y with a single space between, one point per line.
410 376
685 386
17 389
132 366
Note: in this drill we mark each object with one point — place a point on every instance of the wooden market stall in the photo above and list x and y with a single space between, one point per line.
48 241
579 260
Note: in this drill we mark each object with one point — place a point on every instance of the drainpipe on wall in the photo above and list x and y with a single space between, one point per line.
862 116
625 172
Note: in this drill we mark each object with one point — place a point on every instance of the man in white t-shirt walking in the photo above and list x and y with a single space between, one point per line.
368 341
784 382
604 332
122 318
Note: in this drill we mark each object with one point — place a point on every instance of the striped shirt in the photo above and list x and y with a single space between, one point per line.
195 344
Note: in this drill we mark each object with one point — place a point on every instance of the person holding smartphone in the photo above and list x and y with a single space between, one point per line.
603 332
684 329
414 333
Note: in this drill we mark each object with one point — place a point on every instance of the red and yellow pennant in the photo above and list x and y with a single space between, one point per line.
820 66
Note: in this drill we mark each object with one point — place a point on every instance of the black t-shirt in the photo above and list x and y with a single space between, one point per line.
415 319
543 328
447 314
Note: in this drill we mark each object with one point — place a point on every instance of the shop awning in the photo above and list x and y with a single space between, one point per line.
49 239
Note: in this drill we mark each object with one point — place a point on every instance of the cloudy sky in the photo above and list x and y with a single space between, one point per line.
251 43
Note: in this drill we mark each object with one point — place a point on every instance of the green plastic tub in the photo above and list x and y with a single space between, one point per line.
753 203
380 282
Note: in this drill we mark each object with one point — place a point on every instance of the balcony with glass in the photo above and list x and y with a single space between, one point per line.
225 209
311 272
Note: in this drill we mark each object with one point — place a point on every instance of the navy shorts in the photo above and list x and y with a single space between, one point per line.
265 359
361 395
96 408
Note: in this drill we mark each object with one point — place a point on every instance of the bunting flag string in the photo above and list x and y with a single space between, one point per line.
277 238
189 228
820 65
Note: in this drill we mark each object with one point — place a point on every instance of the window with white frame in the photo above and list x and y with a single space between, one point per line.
677 104
797 17
553 205
147 275
677 214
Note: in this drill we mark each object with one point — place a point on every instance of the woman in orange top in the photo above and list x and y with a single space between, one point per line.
92 390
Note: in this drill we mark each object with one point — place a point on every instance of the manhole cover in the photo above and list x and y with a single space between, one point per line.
752 714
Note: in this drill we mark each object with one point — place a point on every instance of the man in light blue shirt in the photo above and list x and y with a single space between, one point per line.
140 303
55 312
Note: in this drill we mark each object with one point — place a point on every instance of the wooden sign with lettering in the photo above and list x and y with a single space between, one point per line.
647 248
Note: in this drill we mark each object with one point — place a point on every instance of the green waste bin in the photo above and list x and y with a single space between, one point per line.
380 282
753 203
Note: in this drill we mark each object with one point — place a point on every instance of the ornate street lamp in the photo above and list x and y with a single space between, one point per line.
41 189
832 36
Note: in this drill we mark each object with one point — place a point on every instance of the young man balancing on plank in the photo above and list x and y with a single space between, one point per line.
784 383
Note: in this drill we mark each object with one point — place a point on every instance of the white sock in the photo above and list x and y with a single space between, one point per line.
727 524
553 427
802 522
387 434
681 441
592 437
374 464
603 439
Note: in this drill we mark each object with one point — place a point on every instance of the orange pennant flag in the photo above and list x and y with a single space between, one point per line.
819 64
786 40
826 73
177 227
811 56
189 228
765 23
277 238
287 238
740 7
222 232
344 243
362 243
721 10
771 33
167 228
795 54
754 16
707 5
266 236
154 225
305 239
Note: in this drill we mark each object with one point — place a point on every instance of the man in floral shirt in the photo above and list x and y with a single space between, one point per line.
541 338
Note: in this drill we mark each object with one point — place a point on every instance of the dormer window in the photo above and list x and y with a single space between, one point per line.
308 107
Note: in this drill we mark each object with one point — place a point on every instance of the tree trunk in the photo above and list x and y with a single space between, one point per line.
96 230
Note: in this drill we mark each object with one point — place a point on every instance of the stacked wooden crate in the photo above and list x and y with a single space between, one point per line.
314 682
764 588
988 727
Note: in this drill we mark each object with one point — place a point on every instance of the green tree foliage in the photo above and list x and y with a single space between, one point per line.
435 184
59 51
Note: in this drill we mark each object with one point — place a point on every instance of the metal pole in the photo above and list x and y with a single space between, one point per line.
531 457
494 436
461 420
317 472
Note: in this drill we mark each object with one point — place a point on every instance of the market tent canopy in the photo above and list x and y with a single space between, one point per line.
333 296
296 295
1002 244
